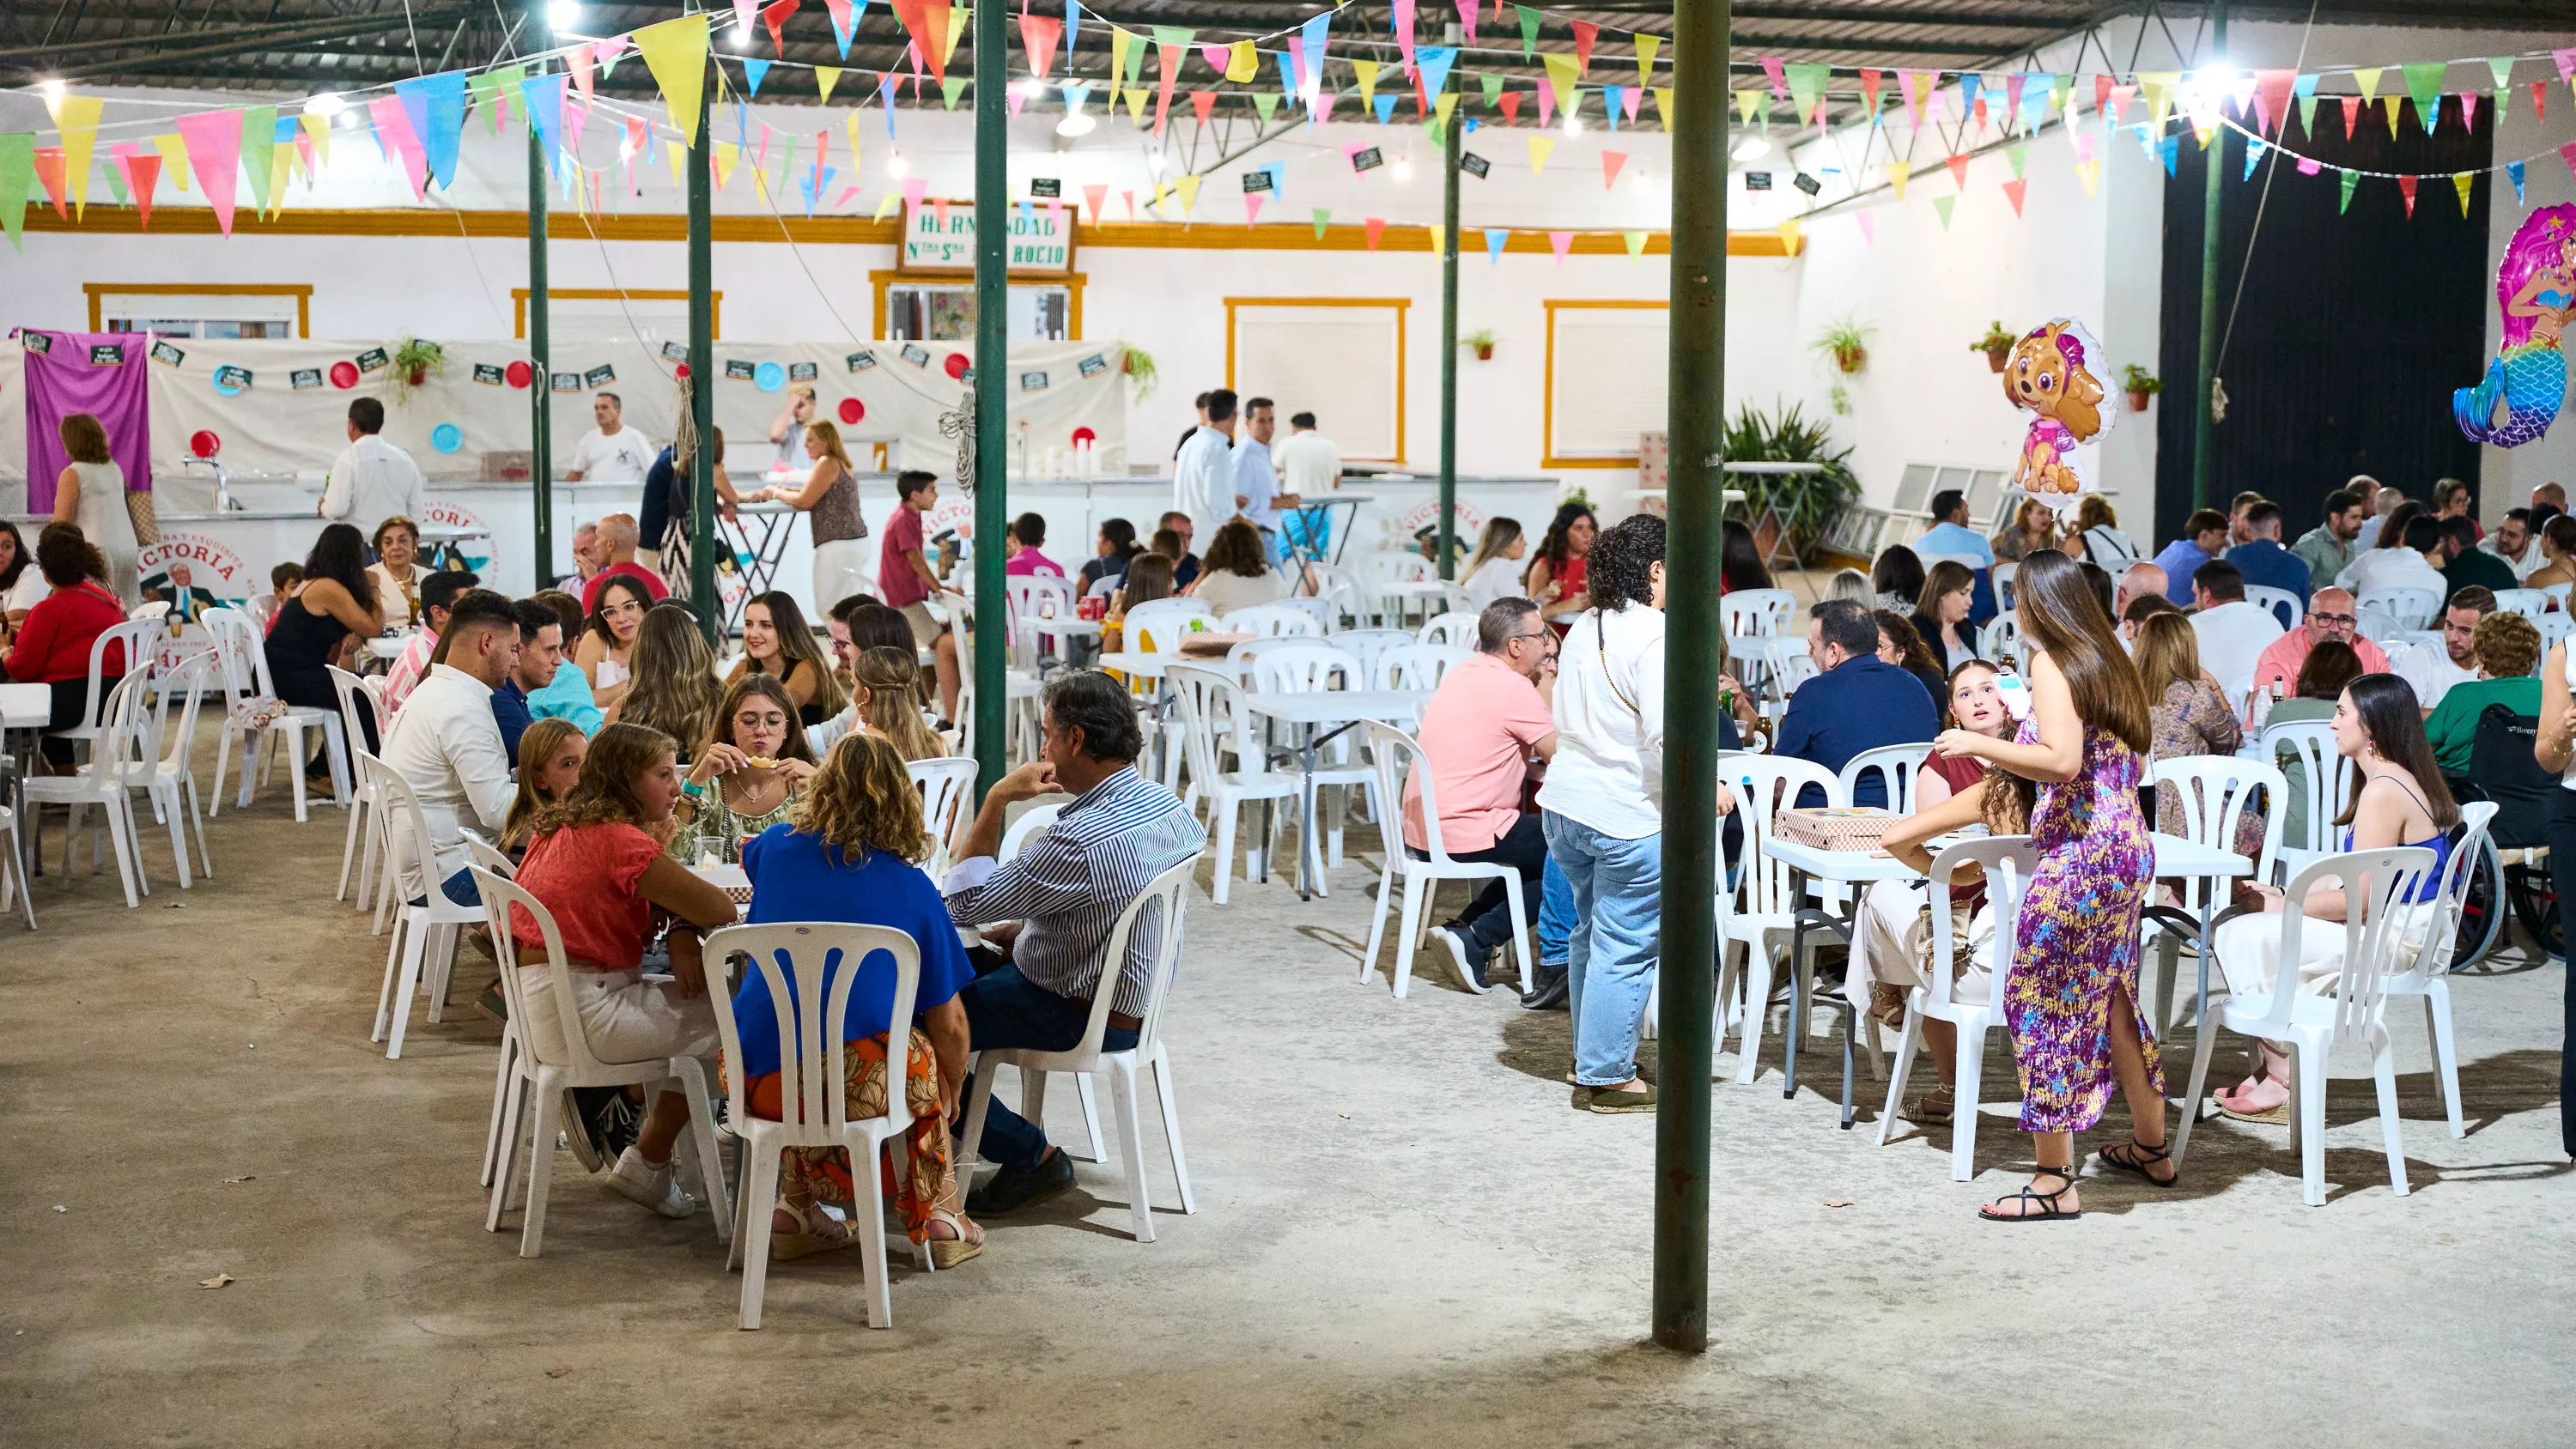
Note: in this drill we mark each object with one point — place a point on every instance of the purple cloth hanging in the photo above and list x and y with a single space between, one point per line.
104 374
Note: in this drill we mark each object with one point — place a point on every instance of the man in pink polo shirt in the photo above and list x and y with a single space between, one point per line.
1489 716
2330 616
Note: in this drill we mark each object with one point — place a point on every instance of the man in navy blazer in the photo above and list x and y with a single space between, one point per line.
2262 560
1856 702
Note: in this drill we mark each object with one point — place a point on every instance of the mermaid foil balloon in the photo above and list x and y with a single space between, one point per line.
2536 288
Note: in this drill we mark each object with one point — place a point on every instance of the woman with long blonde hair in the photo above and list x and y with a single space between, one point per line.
889 693
850 852
2191 714
673 688
1494 572
830 497
550 756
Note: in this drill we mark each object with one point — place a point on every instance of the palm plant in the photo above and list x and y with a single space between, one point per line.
1807 501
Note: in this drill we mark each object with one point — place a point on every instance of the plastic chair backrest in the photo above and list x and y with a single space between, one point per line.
1158 626
1757 611
1271 621
355 696
2558 592
1326 614
1398 568
1157 913
2409 608
1765 785
235 638
1209 701
2554 629
487 855
1033 822
1306 665
394 794
1418 666
123 721
2327 775
1398 754
1895 765
2000 642
2373 882
944 786
804 962
2008 861
2214 792
2529 603
499 897
2457 874
2285 606
186 677
135 636
1458 629
1369 644
2004 575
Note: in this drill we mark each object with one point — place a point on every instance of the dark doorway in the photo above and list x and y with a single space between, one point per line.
2355 326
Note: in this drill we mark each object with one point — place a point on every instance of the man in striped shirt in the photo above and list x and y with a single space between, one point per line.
1068 887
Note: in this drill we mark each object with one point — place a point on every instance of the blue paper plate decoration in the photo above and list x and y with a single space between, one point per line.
224 388
447 437
769 377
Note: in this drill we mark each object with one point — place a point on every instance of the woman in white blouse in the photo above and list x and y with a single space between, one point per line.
1495 572
1603 808
91 493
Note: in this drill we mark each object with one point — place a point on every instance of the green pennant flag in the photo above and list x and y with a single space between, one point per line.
1944 205
1529 29
1322 217
2424 85
2351 179
1806 85
1264 103
1433 129
1493 85
2501 66
2308 114
115 179
1636 244
258 149
17 174
1135 61
2019 156
949 89
1178 35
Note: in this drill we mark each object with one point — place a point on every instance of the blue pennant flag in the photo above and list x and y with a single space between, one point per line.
2169 152
1435 61
1385 103
1072 29
2514 170
1287 70
813 187
846 36
1278 180
1313 39
2254 150
1496 238
753 73
544 97
436 106
1968 94
1616 98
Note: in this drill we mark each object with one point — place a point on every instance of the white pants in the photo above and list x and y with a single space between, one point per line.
624 1017
1893 933
840 570
2249 949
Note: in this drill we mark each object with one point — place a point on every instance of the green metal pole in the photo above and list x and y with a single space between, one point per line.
1686 1045
702 379
992 369
1449 147
2204 447
541 431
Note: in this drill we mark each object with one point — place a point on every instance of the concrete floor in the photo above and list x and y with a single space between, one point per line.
1404 1236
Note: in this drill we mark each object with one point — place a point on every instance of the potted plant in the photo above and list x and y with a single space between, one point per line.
1142 373
1482 339
1997 345
2141 385
1808 501
414 361
1846 342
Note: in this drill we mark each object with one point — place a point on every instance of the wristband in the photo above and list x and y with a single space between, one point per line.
693 789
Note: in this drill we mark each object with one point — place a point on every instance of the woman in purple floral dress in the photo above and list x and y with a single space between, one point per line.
2071 994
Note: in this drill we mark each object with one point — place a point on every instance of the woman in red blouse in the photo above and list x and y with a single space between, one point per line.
53 646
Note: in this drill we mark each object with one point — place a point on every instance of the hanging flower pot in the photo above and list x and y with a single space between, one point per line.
1997 345
1482 342
2141 385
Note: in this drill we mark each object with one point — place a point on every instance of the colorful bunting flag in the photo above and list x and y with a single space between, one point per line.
1560 242
1376 226
1942 206
1496 238
1611 161
213 140
1540 144
1898 173
676 52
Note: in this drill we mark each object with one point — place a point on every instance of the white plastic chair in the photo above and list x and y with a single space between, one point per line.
1304 666
11 881
1210 701
365 820
2529 603
2429 974
101 780
1271 621
1370 645
1397 754
1166 899
2554 629
424 941
488 856
1895 766
2008 861
246 678
2558 593
813 1102
138 641
2005 577
1031 822
2326 775
1418 666
945 787
1766 913
1457 629
2284 604
2213 792
2374 882
1034 597
2409 608
1157 626
540 1082
162 768
1749 612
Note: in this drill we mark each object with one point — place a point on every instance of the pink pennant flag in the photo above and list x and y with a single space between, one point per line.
1095 196
1467 19
1055 213
843 199
1128 199
303 150
2566 59
577 61
2566 153
393 127
1322 109
574 118
746 13
214 153
605 53
1868 227
1404 32
1251 208
1015 100
1611 161
914 189
1906 86
142 173
1772 67
2469 110
1546 100
760 158
2310 166
2083 149
1630 95
1560 242
1217 56
2120 98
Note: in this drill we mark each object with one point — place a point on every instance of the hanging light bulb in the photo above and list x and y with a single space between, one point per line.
1075 123
1154 162
1403 168
52 88
563 17
1573 124
896 165
325 105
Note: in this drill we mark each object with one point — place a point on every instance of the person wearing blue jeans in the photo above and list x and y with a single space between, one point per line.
1005 1009
1556 922
1610 964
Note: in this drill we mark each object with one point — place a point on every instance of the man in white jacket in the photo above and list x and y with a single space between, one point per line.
1203 476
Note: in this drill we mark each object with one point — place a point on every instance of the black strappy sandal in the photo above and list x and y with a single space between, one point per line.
2049 1212
2140 1157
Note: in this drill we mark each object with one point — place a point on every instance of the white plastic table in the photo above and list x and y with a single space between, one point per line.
1329 711
24 708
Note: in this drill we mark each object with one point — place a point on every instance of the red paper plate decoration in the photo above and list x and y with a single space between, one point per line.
957 365
1084 436
344 374
852 410
683 370
204 444
520 374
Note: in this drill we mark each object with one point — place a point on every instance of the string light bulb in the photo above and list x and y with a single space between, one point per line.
563 17
325 105
896 165
1402 168
52 88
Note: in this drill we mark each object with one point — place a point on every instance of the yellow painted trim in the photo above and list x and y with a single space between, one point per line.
880 280
519 301
1547 418
302 293
835 230
1402 305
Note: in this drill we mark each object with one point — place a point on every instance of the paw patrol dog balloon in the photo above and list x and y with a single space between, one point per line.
2056 372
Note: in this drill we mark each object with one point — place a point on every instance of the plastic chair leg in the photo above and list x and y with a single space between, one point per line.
1907 1042
385 992
760 1199
2383 1072
349 852
970 1142
2446 1051
294 730
503 1083
118 812
1757 1009
215 802
541 1167
1520 931
1225 809
1970 1070
1171 1125
197 822
1377 920
1131 1149
1409 933
500 1156
415 945
867 1214
2308 1118
1091 1118
2208 1037
702 1135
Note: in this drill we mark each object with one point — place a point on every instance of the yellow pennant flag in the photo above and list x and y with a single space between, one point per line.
886 204
2393 106
1746 102
1898 173
1647 45
727 153
957 15
279 158
826 76
1438 241
77 118
174 157
2460 183
856 150
1789 236
1119 40
1664 106
2158 85
1539 145
1366 73
2090 173
1161 190
678 156
319 128
1243 63
2367 77
676 52
1441 108
1188 186
1561 75
1136 98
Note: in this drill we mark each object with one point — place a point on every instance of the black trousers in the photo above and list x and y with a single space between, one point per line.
2562 869
1488 921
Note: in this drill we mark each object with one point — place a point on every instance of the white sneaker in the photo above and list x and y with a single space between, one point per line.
653 1187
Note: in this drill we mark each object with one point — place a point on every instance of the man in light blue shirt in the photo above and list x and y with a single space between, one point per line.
1256 481
2204 535
1950 533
